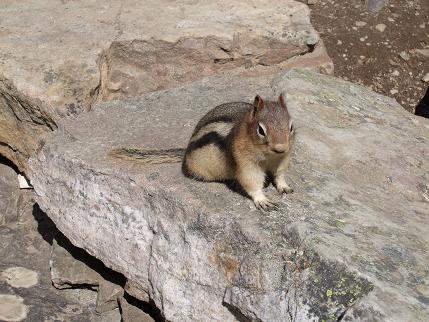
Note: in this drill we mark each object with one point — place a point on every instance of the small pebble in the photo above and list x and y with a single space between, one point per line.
404 55
360 23
311 2
422 25
312 39
395 73
393 91
390 19
380 27
339 42
421 52
426 78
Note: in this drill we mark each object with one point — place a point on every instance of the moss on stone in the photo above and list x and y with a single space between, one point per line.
333 289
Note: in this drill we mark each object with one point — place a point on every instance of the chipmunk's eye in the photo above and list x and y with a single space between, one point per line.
261 130
291 127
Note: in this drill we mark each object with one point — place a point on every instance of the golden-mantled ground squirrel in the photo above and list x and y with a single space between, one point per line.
235 141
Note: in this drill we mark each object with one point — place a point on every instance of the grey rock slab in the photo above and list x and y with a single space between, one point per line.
135 290
111 316
57 58
9 195
131 313
24 251
73 267
351 241
108 296
67 271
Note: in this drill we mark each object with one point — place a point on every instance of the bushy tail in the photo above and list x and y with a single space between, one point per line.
149 156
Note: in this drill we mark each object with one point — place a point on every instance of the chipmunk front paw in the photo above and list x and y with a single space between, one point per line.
265 204
284 189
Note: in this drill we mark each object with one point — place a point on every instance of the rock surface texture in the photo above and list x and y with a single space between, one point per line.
350 243
58 58
26 291
10 195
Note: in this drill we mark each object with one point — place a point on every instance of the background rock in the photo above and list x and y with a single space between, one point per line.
68 272
73 267
108 296
49 53
9 195
136 291
25 243
19 277
350 243
12 308
131 313
111 316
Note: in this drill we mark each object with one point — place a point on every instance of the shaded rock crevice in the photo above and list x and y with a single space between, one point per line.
22 121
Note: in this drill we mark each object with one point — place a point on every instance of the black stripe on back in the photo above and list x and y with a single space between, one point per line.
209 138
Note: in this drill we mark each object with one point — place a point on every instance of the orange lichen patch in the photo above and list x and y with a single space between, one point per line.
227 262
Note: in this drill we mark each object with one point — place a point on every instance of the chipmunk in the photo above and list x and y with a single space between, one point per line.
235 141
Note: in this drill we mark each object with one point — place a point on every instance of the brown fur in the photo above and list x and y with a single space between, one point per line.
214 154
234 141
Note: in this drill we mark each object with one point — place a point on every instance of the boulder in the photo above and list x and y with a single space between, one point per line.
57 59
350 243
9 195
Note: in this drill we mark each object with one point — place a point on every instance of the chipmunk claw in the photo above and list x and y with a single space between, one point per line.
285 190
266 205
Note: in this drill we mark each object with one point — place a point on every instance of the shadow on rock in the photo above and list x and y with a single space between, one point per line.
73 267
45 226
422 109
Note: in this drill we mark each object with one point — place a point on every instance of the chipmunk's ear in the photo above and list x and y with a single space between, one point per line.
282 101
258 104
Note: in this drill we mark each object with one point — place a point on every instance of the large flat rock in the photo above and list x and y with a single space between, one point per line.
350 243
58 57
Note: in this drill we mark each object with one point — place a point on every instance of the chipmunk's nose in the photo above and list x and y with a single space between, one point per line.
279 148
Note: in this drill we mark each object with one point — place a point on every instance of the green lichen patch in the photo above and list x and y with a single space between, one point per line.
332 289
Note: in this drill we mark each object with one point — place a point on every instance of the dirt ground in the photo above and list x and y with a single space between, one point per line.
387 50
